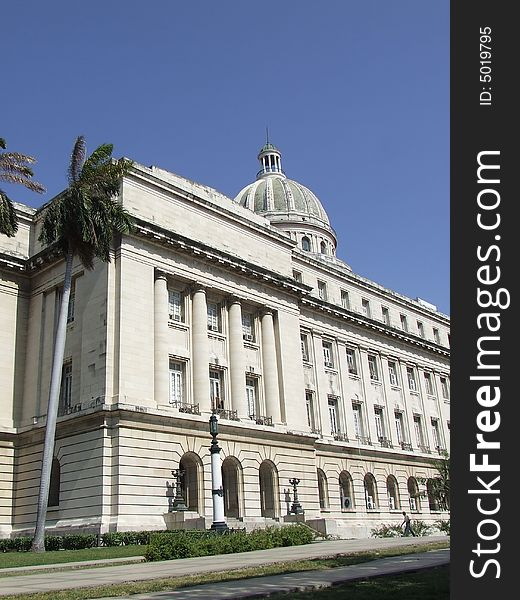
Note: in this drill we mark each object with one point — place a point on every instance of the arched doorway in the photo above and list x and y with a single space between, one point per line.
346 491
413 494
392 489
323 490
268 477
192 482
232 484
371 499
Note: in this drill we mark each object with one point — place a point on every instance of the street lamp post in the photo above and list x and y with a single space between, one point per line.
296 508
217 491
178 501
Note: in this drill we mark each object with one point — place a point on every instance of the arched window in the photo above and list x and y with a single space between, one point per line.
371 499
268 477
232 485
323 490
346 491
413 494
323 248
192 482
306 244
432 495
54 488
392 489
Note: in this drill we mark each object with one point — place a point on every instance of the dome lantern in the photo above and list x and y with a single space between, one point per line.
271 161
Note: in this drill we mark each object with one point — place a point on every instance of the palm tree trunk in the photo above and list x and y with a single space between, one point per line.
38 543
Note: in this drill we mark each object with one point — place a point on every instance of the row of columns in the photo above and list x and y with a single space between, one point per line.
200 354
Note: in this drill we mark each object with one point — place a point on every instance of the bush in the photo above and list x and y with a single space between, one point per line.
79 542
53 542
186 544
386 531
443 526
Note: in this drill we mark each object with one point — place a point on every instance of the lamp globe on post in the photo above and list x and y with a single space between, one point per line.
217 492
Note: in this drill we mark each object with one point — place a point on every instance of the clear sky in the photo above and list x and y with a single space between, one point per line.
355 95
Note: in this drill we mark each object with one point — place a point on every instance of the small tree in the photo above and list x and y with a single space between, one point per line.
439 486
14 168
81 221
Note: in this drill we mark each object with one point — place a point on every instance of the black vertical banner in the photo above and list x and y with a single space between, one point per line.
485 191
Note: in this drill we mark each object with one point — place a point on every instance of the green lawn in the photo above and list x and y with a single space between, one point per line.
431 584
30 559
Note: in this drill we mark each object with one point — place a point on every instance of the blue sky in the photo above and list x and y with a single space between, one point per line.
355 95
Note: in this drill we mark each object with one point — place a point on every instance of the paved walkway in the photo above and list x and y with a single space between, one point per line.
255 587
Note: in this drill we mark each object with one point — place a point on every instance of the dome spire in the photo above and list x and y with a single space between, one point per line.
270 159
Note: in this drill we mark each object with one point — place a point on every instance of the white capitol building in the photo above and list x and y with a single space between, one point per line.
234 306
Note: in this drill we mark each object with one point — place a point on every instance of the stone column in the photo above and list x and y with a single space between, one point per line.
161 356
200 349
270 368
236 360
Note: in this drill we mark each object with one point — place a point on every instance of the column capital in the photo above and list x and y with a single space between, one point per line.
160 275
230 300
196 286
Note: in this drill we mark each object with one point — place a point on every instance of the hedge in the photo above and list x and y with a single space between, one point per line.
187 544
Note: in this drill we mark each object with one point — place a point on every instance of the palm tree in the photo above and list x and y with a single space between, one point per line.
81 221
14 168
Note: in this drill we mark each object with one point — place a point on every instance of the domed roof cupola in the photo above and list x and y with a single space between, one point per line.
288 205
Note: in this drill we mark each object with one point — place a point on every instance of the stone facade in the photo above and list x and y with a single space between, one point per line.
315 372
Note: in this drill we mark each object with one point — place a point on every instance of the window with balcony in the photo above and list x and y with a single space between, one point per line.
309 406
392 373
328 358
175 306
351 361
216 390
176 383
248 332
66 388
251 395
333 415
428 384
412 382
372 367
304 341
214 320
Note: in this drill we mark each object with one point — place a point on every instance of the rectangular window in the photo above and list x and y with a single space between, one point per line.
392 373
322 290
247 327
380 430
365 307
333 415
216 389
372 367
251 394
345 299
175 306
428 384
327 355
213 316
445 388
297 276
386 315
304 340
412 383
358 423
436 336
420 329
399 426
176 383
418 430
351 361
404 323
66 387
436 433
309 405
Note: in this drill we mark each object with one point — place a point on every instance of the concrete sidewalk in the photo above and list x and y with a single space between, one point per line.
76 578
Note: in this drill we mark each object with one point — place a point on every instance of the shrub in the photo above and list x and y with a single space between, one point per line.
420 528
79 541
53 542
387 531
443 526
185 544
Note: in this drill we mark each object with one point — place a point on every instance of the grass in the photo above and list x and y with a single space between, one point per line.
431 584
33 559
159 585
